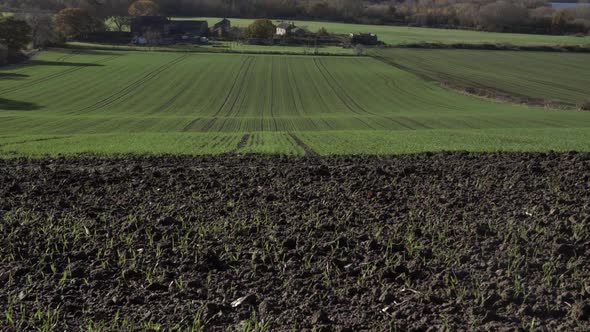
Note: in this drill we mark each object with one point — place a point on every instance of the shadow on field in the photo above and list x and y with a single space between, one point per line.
62 63
12 76
15 105
88 51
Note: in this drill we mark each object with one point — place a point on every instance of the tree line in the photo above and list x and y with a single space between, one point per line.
43 22
529 16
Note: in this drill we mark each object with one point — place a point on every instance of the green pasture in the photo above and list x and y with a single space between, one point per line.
562 78
109 102
405 35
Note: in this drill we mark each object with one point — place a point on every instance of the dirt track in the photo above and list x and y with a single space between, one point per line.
458 241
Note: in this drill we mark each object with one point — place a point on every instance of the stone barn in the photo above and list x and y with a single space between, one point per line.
167 30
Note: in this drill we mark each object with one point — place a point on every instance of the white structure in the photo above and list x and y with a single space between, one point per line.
284 28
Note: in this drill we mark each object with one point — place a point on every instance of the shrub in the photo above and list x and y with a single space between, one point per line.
262 29
585 106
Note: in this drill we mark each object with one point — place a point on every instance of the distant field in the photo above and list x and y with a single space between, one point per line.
560 77
405 35
153 102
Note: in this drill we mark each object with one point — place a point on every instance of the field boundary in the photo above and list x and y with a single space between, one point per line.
495 47
125 48
488 94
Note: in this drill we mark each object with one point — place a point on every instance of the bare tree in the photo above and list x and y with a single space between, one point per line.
42 29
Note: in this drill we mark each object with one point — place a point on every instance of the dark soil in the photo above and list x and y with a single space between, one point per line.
420 242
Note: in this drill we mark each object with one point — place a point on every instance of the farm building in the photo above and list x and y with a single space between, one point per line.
154 24
364 39
222 28
146 27
284 28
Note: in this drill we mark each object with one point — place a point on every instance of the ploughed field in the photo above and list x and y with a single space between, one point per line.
445 241
535 77
109 102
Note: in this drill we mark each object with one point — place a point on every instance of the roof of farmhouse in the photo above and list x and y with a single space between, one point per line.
286 25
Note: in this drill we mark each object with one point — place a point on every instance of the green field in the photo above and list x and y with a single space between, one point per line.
162 102
220 47
562 78
406 35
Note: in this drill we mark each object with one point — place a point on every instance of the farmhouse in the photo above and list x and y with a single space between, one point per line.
158 29
284 28
364 39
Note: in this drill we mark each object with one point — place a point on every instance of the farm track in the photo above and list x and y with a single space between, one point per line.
414 242
245 66
308 151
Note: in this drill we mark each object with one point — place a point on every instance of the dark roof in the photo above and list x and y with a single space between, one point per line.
180 27
286 25
224 22
189 24
151 20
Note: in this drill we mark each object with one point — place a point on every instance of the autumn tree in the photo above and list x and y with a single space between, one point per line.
261 28
144 8
76 22
558 21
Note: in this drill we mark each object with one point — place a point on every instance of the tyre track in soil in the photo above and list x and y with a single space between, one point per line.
53 76
132 87
389 82
209 125
399 123
219 140
271 97
308 151
241 144
67 56
171 101
328 81
343 91
297 99
339 94
240 94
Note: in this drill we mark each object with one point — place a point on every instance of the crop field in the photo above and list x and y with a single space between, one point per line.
249 243
220 47
110 102
406 35
562 78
